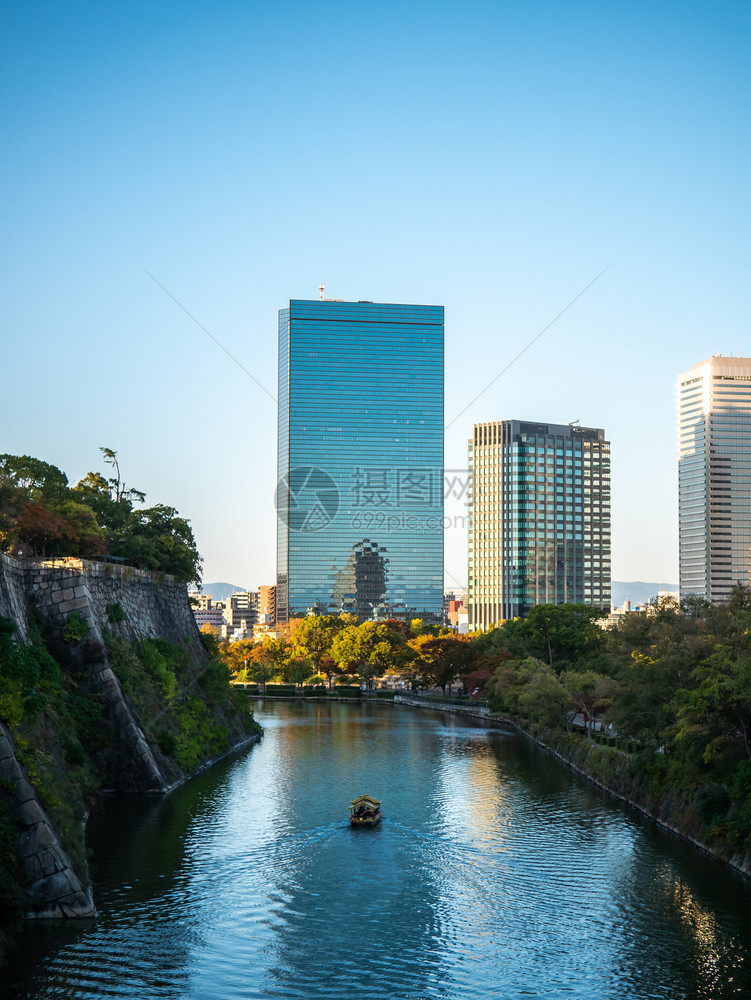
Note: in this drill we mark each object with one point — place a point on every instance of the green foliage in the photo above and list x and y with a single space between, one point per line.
63 741
313 636
115 613
75 627
35 477
299 670
199 736
675 684
11 896
712 802
440 660
28 676
185 711
369 649
167 741
41 514
209 642
281 689
160 664
38 698
214 682
558 634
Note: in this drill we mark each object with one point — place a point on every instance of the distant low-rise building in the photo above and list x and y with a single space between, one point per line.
207 612
455 611
242 606
627 608
267 605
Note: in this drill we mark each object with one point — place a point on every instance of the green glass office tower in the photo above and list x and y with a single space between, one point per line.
539 529
360 460
714 477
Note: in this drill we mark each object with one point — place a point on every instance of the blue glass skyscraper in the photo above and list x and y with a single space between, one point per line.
360 439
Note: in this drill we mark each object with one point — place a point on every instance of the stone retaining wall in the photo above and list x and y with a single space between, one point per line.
51 886
13 594
150 606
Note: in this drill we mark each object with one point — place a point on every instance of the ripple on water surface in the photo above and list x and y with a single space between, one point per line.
493 873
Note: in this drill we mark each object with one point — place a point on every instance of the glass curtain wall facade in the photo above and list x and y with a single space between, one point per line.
360 453
539 525
714 477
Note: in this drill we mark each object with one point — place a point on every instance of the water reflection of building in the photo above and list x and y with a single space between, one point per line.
360 587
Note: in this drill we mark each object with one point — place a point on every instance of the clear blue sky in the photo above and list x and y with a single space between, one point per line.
490 157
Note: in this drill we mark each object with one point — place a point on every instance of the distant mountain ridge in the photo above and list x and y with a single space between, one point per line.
638 592
220 591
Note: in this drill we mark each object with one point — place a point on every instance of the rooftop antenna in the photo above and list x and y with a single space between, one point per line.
321 288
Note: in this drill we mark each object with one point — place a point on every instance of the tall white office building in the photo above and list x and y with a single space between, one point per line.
714 477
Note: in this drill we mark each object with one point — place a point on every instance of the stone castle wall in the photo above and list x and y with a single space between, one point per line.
130 603
154 605
13 602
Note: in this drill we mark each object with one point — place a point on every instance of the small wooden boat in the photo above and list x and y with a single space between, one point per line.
365 811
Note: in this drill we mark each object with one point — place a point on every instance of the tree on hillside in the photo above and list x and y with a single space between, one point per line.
543 697
590 694
714 714
158 538
652 655
155 538
39 514
59 528
118 490
560 634
36 478
507 685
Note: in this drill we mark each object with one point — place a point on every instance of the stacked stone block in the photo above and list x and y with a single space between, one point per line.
152 606
51 886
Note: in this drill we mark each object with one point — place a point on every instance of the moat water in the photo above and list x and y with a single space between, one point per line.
495 873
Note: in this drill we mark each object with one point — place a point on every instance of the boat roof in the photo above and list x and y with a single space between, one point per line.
365 798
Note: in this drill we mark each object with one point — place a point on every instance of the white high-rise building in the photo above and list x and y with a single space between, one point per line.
714 477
